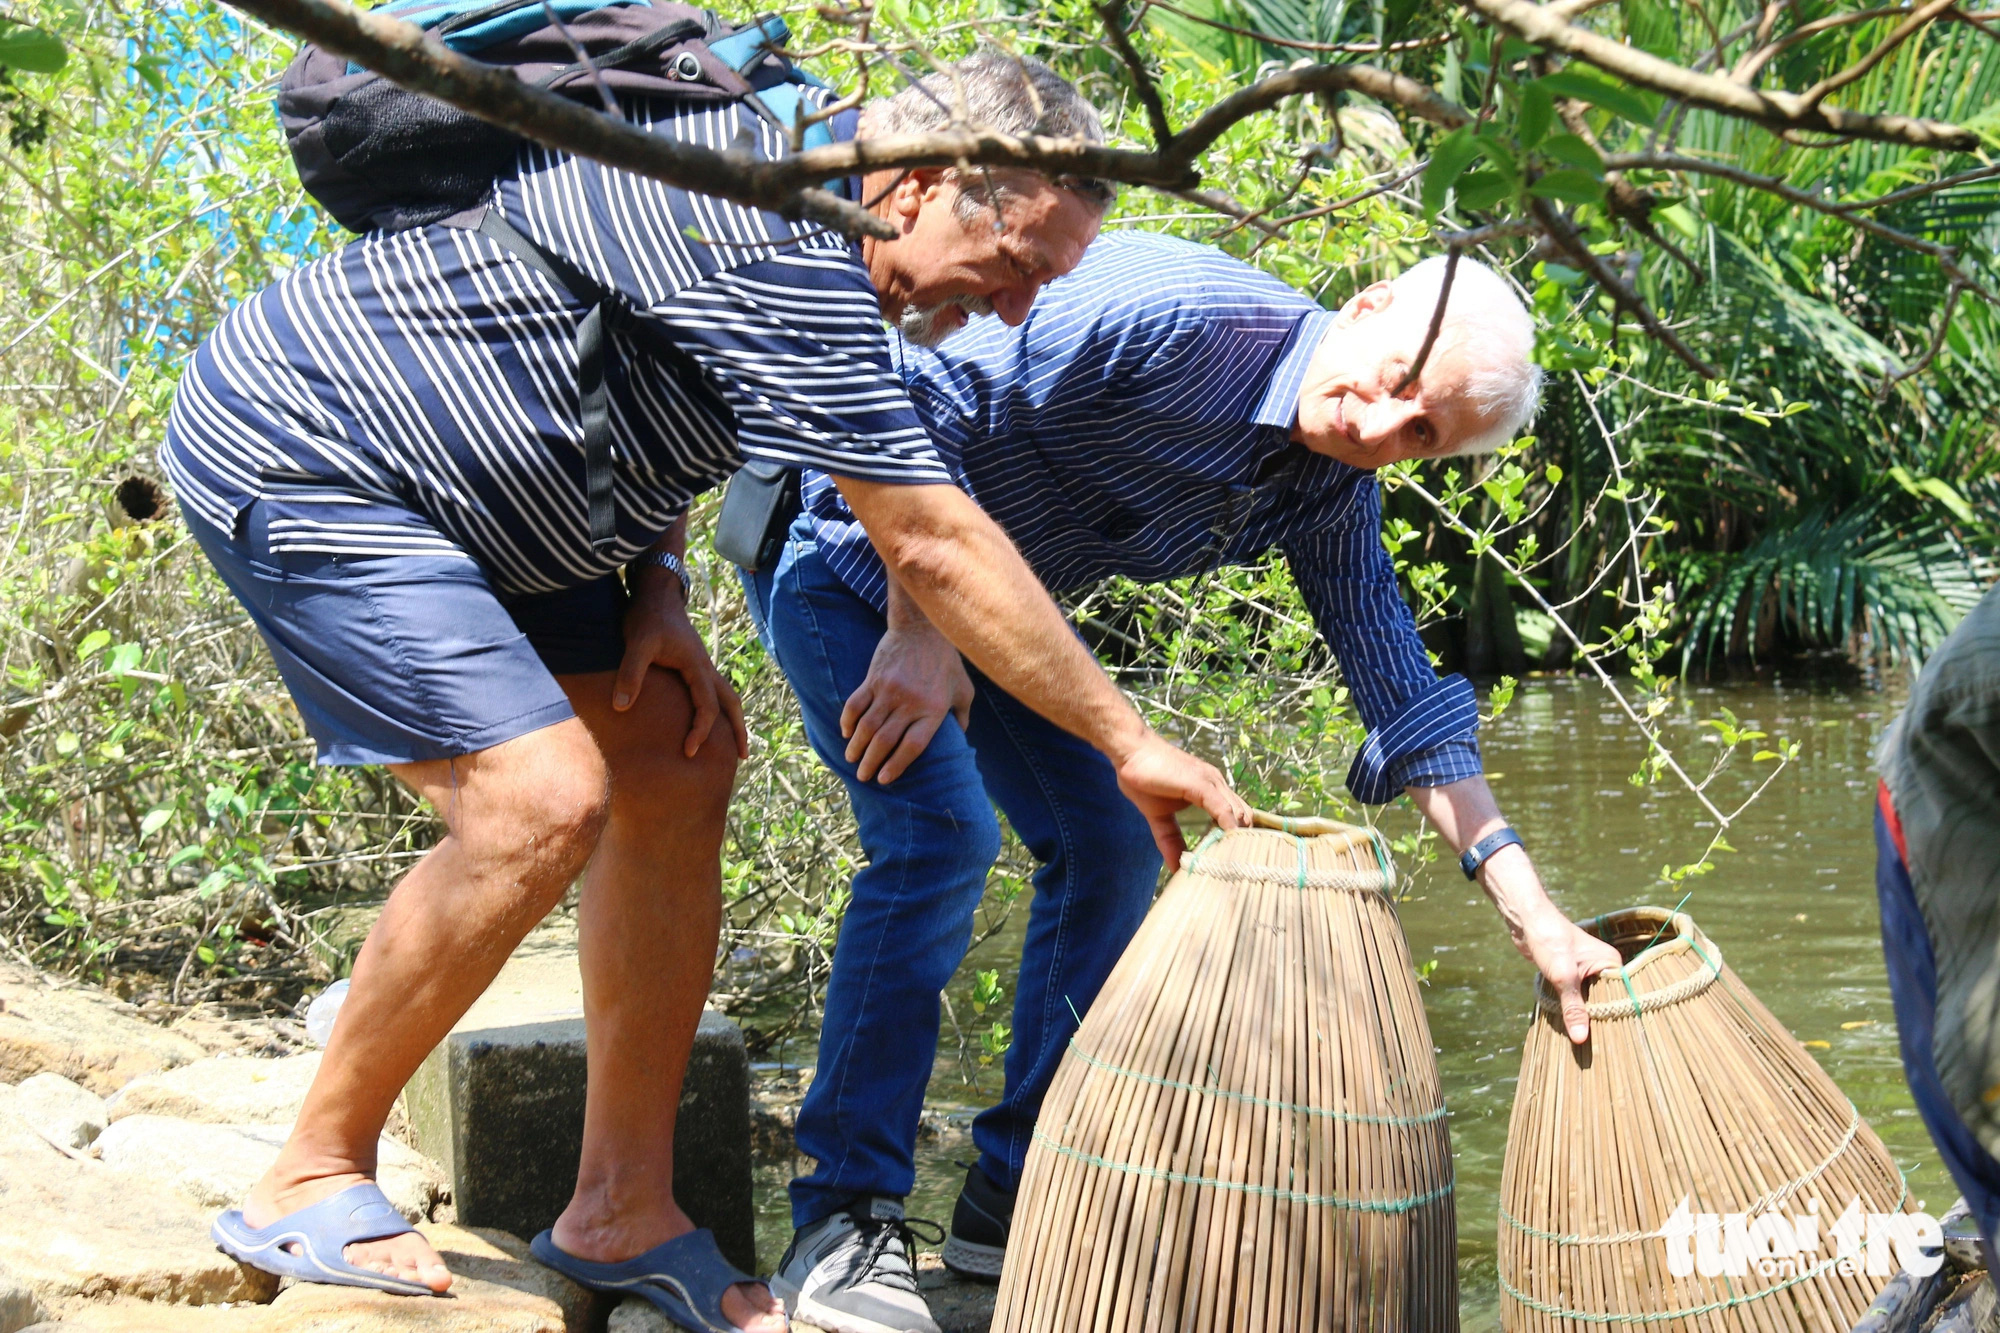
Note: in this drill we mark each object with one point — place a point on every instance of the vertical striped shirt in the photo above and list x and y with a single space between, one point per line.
1138 424
416 391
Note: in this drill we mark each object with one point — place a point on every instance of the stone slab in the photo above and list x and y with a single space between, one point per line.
499 1104
82 1034
216 1165
74 1230
128 1316
66 1113
222 1090
496 1288
18 1306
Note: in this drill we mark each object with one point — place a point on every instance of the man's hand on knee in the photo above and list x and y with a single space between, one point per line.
915 680
658 633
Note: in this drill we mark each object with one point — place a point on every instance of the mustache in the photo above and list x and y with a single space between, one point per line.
926 326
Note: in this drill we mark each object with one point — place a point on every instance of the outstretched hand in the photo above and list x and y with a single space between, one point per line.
1567 956
659 634
1162 781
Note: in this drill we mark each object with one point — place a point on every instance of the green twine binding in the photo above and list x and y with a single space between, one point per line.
1348 1117
1393 1207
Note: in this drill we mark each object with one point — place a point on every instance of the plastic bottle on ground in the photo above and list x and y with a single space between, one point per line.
319 1018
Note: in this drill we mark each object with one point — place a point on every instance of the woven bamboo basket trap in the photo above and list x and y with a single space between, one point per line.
1246 1132
1688 1089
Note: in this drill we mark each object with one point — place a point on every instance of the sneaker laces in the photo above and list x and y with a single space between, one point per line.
879 1264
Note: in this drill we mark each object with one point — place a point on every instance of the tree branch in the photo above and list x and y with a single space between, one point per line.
1579 251
1431 334
416 60
1713 92
1908 28
1113 16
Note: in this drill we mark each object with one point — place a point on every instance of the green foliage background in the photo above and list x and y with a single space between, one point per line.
160 821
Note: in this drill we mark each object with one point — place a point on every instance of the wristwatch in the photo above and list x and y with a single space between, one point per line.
668 560
1482 851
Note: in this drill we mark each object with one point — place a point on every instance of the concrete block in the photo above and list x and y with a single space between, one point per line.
499 1104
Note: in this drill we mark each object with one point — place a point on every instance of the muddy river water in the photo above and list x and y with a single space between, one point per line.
1793 907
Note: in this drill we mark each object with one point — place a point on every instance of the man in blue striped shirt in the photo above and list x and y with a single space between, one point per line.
383 454
1163 411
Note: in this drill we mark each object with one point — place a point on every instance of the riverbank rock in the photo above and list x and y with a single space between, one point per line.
74 1229
215 1165
81 1034
64 1112
126 1316
18 1307
496 1288
223 1090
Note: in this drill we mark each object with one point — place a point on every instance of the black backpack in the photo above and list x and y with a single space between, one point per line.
380 157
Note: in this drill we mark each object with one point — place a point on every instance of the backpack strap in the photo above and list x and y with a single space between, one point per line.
606 314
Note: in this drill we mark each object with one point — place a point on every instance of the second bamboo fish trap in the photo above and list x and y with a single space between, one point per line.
1689 1089
1246 1133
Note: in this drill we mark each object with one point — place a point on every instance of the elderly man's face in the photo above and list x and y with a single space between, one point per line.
943 269
1349 408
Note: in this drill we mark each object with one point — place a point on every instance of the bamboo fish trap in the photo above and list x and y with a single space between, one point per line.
1246 1132
1688 1089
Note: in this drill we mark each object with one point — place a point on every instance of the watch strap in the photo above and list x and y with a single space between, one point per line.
667 560
1480 852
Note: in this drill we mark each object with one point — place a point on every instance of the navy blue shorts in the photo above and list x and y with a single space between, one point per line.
394 659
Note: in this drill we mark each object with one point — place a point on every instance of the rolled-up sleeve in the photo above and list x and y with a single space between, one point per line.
1422 731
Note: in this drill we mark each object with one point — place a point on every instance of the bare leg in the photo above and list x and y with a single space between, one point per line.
647 929
523 818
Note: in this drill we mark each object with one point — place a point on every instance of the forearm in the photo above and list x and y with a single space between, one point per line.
1463 812
957 566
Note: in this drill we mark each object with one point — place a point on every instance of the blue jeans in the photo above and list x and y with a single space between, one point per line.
930 838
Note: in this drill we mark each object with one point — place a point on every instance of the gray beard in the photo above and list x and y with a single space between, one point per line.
924 325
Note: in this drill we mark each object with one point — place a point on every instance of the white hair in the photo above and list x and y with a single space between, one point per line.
1486 324
993 90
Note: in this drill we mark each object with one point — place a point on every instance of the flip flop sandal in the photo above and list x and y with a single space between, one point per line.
321 1231
684 1278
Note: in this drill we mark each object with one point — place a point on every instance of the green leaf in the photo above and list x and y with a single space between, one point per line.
1453 154
1600 92
185 855
93 643
1572 151
1568 185
155 820
212 883
1555 474
30 49
124 658
1481 190
67 742
1538 110
1680 219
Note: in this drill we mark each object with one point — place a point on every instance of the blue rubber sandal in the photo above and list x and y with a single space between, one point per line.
321 1231
684 1278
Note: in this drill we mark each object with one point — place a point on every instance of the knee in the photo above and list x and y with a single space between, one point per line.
664 790
550 823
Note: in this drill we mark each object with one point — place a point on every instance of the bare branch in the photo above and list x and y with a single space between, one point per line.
1714 92
1113 15
1573 245
1922 363
1919 18
1910 192
1437 322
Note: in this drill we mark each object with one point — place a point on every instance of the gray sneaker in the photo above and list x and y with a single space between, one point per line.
852 1272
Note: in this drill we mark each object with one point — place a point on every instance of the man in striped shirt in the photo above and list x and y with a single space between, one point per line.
1163 411
383 455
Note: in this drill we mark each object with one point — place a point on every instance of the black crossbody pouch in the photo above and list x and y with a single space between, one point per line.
757 511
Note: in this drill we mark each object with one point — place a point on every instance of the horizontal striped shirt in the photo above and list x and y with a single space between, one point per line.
416 391
1138 424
